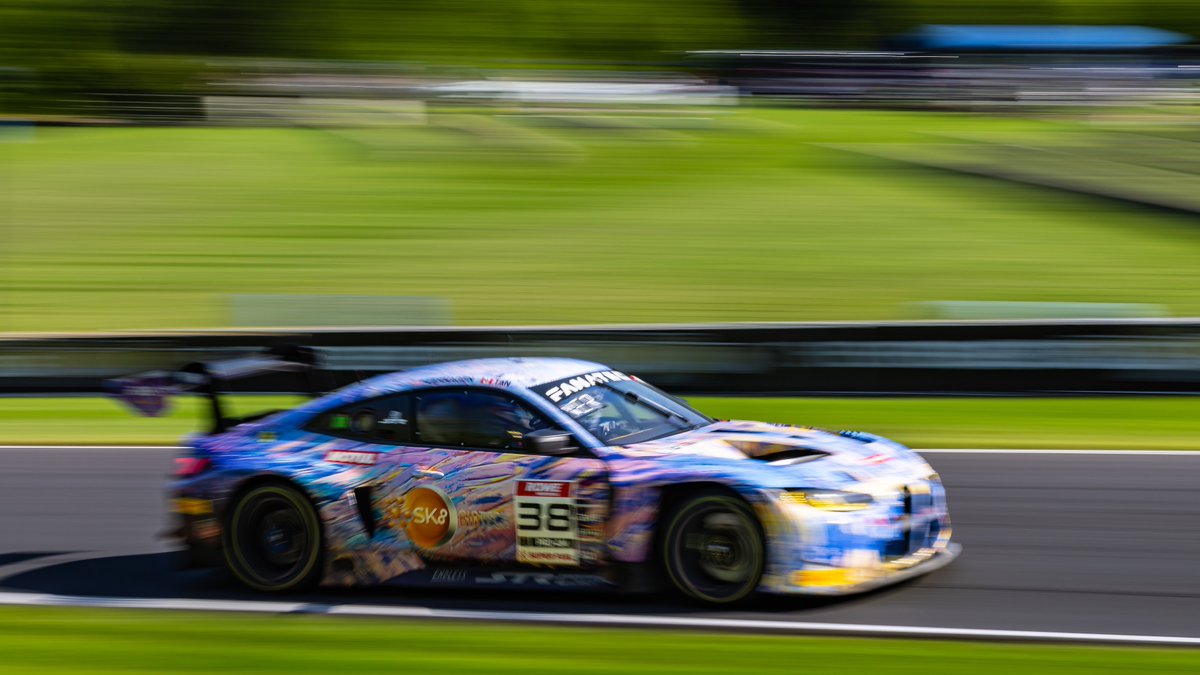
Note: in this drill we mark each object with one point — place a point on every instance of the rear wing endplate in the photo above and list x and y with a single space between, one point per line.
150 394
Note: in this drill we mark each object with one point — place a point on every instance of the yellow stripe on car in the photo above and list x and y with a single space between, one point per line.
829 577
192 507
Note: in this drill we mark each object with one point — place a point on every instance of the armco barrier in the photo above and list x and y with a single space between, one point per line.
1001 357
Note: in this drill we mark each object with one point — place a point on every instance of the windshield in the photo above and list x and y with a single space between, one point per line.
618 409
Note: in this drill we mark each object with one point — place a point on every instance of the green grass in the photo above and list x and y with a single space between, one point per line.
1101 423
750 219
67 421
103 641
1121 423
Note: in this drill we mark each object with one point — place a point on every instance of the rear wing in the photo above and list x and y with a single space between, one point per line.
150 393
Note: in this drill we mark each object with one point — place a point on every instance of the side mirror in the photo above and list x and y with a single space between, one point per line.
550 442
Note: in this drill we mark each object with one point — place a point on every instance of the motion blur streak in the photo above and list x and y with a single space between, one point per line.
1048 548
209 163
606 620
179 164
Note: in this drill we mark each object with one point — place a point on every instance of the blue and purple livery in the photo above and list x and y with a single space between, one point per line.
551 472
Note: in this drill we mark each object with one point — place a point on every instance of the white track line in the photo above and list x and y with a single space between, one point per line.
927 451
606 620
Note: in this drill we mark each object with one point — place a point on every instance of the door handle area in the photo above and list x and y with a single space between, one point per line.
429 473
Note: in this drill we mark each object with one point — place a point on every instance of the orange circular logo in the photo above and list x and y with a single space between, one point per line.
432 518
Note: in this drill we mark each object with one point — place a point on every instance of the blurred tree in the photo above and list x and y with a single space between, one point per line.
211 27
469 30
67 49
73 55
816 24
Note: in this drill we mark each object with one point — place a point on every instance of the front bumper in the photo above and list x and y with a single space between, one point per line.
904 533
850 580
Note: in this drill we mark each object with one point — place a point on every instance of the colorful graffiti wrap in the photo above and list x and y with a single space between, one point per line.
389 510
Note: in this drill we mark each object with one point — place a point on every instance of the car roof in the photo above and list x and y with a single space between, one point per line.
515 372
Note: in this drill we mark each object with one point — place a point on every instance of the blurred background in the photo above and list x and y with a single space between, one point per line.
873 165
979 219
209 163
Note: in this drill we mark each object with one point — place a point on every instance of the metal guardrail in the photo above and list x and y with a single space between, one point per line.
977 358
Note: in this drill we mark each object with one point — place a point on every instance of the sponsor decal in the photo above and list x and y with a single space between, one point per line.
581 405
557 391
393 417
431 519
547 524
267 437
879 458
351 457
494 382
544 488
541 579
446 379
477 519
448 576
147 394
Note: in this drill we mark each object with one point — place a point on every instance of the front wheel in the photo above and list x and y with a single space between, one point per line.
272 539
713 548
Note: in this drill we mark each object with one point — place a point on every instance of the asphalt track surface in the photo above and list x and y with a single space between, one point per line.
1087 543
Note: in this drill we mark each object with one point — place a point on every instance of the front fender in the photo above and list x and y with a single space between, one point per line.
638 488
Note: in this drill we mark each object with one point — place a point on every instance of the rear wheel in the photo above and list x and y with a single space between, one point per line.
713 548
272 540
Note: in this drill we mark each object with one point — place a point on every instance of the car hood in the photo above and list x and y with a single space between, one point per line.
779 455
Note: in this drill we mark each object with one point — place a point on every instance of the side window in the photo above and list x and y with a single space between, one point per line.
382 420
474 419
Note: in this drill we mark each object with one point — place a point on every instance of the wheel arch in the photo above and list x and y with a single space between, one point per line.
677 496
245 486
251 481
671 496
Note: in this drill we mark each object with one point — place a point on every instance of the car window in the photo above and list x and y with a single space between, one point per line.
474 419
382 420
619 409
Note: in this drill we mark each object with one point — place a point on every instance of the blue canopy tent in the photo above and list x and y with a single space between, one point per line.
945 38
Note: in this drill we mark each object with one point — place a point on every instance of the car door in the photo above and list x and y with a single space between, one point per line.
408 508
475 494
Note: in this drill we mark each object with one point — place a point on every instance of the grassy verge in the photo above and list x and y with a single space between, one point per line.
1114 423
1136 423
94 641
743 215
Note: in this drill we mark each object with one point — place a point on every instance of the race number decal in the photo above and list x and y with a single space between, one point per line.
547 530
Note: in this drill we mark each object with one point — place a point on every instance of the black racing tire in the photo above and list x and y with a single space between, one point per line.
712 548
272 539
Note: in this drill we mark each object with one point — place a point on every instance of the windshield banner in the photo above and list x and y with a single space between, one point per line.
557 391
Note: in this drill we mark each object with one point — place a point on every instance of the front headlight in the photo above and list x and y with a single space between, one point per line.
828 500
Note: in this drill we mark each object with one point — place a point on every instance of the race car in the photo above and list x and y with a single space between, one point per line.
541 472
